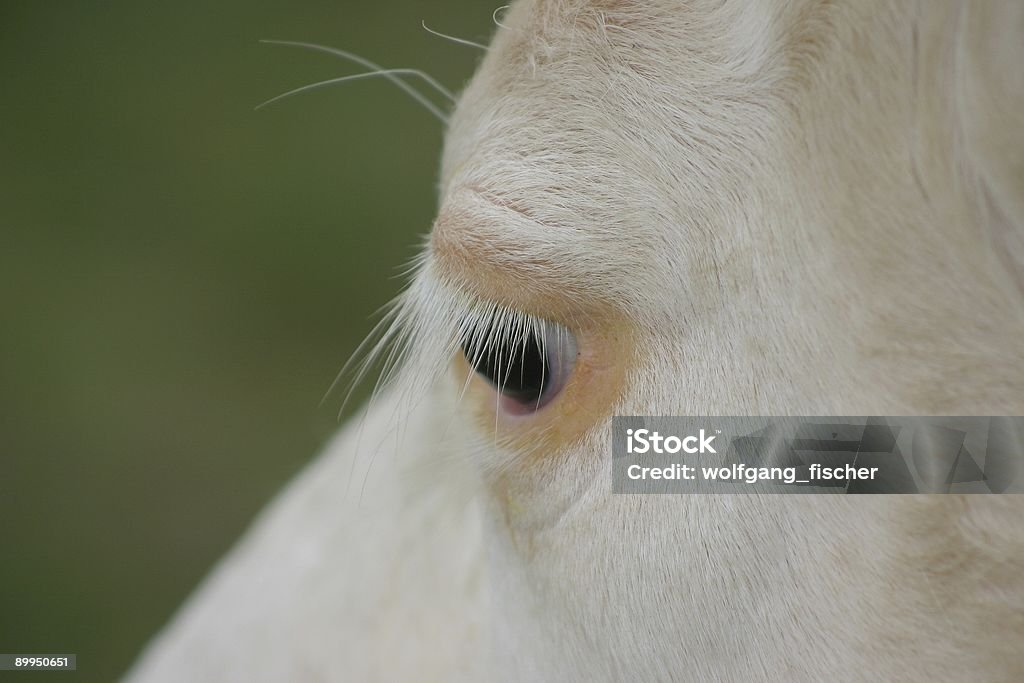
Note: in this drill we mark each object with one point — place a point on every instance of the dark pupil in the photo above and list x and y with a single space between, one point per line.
517 368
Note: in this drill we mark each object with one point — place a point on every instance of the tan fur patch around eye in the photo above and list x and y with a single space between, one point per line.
606 352
495 249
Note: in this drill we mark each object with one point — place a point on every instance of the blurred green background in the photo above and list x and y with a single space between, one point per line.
181 278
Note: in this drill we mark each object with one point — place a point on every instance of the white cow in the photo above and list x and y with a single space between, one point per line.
675 207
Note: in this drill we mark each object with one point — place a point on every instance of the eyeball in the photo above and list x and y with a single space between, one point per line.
527 368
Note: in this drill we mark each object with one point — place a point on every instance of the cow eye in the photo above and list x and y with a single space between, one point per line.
527 369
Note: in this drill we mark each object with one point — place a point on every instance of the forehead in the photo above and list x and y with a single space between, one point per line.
603 88
612 127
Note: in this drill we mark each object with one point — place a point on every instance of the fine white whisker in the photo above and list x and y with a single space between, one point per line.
358 77
494 17
366 63
460 41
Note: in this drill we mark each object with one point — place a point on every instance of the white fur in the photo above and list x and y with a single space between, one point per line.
790 208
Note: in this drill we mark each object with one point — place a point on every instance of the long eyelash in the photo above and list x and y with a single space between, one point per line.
412 346
426 326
